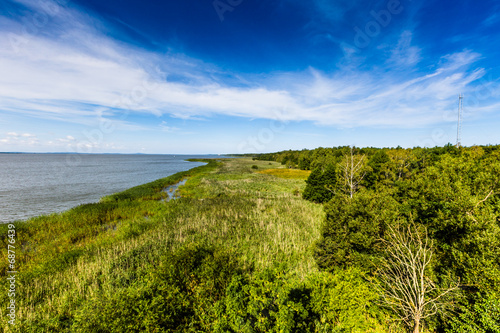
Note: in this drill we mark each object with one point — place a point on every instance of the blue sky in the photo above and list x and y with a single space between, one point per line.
243 76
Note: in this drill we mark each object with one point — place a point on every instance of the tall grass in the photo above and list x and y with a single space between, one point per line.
287 173
68 261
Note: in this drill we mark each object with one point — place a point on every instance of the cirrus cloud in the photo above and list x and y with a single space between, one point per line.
71 70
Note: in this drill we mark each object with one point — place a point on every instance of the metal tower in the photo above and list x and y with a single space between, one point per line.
459 124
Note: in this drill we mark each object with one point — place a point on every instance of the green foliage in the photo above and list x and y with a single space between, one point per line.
305 163
125 265
320 185
200 288
208 261
480 315
453 193
268 303
378 164
181 294
344 302
456 200
62 261
353 228
274 301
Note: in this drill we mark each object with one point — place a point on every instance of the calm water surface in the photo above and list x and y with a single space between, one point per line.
36 184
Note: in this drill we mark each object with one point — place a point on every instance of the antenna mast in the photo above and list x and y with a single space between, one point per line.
459 124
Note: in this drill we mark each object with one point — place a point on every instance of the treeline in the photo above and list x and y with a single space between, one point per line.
405 240
423 224
310 159
230 255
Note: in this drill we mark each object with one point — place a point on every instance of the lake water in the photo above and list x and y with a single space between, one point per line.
38 184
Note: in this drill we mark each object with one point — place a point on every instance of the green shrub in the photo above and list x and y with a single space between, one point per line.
182 293
353 228
320 185
268 302
344 302
274 301
480 315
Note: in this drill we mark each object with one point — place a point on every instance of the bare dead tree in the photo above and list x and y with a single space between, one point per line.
353 168
403 278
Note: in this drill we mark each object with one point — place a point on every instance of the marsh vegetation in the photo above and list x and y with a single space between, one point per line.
280 243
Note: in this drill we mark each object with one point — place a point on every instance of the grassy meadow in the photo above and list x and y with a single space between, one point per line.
233 254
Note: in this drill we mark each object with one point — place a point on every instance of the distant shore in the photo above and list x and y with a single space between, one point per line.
57 185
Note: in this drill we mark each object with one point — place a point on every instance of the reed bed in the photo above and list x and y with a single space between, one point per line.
69 260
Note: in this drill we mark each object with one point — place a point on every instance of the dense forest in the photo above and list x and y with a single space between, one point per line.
326 240
422 224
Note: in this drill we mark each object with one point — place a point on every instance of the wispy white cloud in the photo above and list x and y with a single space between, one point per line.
404 54
492 19
69 76
166 128
19 139
67 139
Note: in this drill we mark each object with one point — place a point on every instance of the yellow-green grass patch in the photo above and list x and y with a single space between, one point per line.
287 173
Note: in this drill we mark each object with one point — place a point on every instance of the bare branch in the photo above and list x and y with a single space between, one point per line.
402 279
353 172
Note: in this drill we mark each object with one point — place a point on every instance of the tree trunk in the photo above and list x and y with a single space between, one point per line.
416 328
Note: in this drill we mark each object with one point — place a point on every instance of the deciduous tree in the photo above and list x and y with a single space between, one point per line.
404 278
353 169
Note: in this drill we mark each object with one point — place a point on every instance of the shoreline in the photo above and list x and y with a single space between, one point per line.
171 190
98 255
102 197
